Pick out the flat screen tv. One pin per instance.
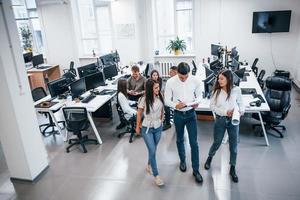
(271, 21)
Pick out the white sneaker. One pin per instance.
(158, 181)
(149, 169)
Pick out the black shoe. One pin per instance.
(207, 163)
(121, 125)
(166, 126)
(233, 175)
(198, 177)
(182, 166)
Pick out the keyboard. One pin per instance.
(248, 91)
(88, 98)
(107, 92)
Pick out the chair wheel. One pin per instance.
(283, 128)
(67, 151)
(69, 142)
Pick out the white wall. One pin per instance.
(58, 30)
(230, 23)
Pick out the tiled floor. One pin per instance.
(116, 169)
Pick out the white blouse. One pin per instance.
(221, 104)
(153, 119)
(125, 105)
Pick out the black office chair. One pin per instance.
(70, 74)
(254, 68)
(146, 71)
(77, 121)
(260, 78)
(278, 96)
(37, 94)
(130, 124)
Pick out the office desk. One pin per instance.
(250, 83)
(91, 107)
(40, 77)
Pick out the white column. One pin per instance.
(20, 137)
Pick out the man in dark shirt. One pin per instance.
(135, 84)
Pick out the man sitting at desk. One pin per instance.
(135, 84)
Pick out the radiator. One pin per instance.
(163, 68)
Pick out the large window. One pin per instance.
(172, 18)
(95, 27)
(28, 25)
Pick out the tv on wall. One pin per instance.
(271, 21)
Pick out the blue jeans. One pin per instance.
(151, 140)
(221, 124)
(189, 120)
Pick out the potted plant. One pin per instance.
(26, 38)
(177, 46)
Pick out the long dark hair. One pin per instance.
(149, 98)
(217, 88)
(122, 86)
(159, 79)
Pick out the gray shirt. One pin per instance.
(136, 85)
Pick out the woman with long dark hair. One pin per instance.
(124, 102)
(152, 106)
(226, 100)
(155, 76)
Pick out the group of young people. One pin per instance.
(182, 93)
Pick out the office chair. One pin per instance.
(146, 73)
(278, 96)
(254, 68)
(130, 124)
(70, 74)
(260, 78)
(77, 121)
(37, 94)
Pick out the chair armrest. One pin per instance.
(65, 70)
(285, 111)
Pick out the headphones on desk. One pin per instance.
(256, 103)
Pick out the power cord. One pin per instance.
(271, 48)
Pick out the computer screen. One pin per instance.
(116, 56)
(271, 21)
(37, 60)
(215, 50)
(27, 57)
(235, 63)
(94, 80)
(110, 71)
(208, 72)
(78, 87)
(240, 73)
(107, 59)
(57, 87)
(87, 70)
(234, 52)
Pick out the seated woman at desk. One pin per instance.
(128, 111)
(225, 102)
(135, 84)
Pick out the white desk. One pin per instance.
(250, 83)
(91, 107)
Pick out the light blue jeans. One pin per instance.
(221, 124)
(151, 140)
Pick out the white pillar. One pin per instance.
(20, 137)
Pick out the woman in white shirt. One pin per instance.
(128, 111)
(226, 100)
(152, 106)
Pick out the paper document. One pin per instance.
(235, 116)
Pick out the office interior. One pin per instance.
(36, 167)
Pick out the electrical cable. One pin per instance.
(271, 49)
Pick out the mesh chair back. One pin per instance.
(120, 111)
(38, 93)
(76, 118)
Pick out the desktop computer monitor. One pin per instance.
(216, 50)
(116, 56)
(235, 63)
(37, 60)
(107, 59)
(240, 73)
(94, 80)
(57, 87)
(234, 52)
(27, 57)
(209, 72)
(110, 71)
(87, 70)
(78, 87)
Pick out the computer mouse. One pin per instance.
(45, 104)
